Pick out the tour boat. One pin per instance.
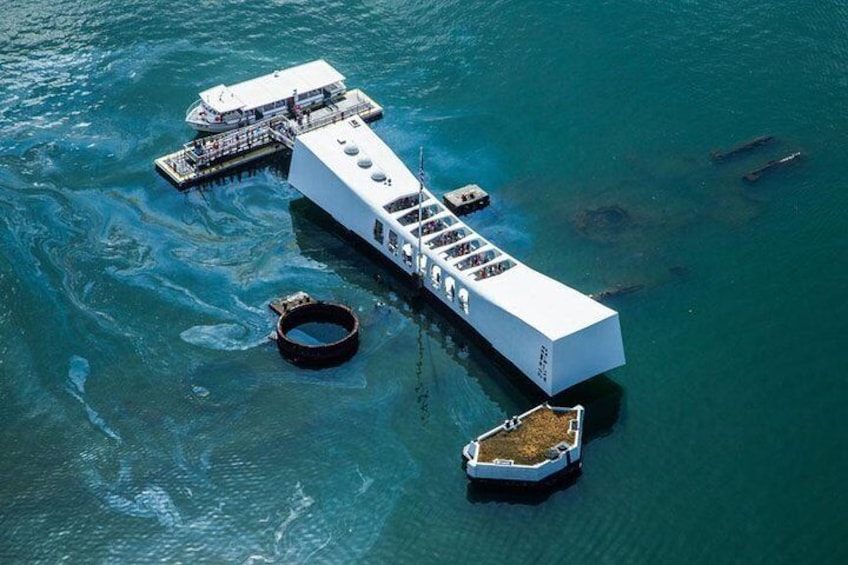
(288, 91)
(538, 447)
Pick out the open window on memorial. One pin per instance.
(411, 217)
(493, 269)
(478, 259)
(463, 300)
(433, 226)
(447, 238)
(463, 248)
(450, 288)
(378, 231)
(406, 254)
(404, 202)
(436, 276)
(393, 242)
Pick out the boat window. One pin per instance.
(403, 203)
(378, 231)
(493, 270)
(463, 300)
(447, 238)
(450, 288)
(434, 226)
(305, 95)
(393, 242)
(334, 88)
(478, 259)
(436, 276)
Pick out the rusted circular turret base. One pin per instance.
(302, 309)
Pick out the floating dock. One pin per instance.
(207, 157)
(736, 150)
(755, 175)
(465, 200)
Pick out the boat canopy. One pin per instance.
(221, 99)
(271, 88)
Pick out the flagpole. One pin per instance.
(420, 216)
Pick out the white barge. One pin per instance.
(539, 447)
(287, 92)
(553, 334)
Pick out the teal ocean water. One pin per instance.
(145, 417)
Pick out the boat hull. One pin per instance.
(203, 126)
(565, 475)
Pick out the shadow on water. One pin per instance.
(479, 493)
(322, 239)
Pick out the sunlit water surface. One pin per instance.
(146, 416)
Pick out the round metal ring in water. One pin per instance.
(327, 354)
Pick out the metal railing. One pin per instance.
(207, 151)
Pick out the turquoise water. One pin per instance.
(317, 333)
(146, 417)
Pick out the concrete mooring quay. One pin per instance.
(210, 156)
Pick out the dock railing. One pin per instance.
(207, 151)
(217, 153)
(340, 113)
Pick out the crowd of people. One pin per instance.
(402, 204)
(446, 239)
(492, 270)
(461, 249)
(475, 260)
(207, 151)
(432, 226)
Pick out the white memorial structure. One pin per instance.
(553, 334)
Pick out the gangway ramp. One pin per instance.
(207, 157)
